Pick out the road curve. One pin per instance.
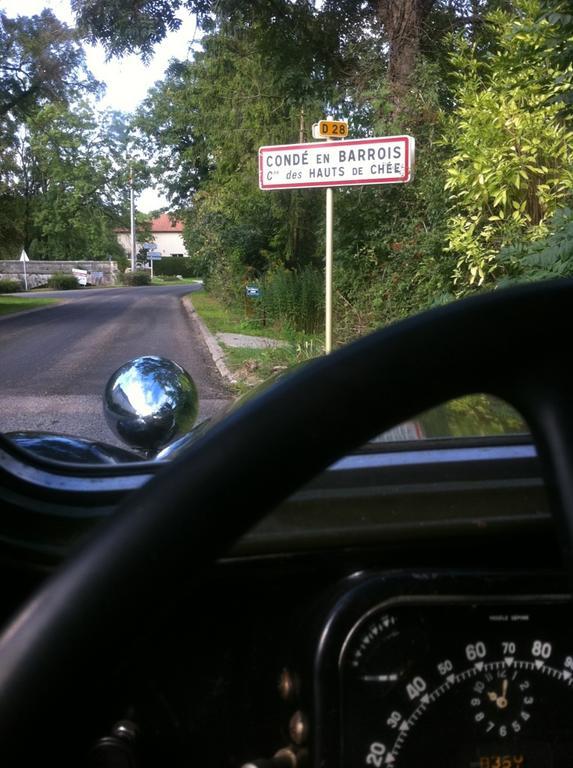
(55, 362)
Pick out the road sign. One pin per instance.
(384, 160)
(154, 255)
(148, 246)
(252, 291)
(81, 276)
(330, 129)
(24, 258)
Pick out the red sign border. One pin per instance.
(348, 182)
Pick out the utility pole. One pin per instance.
(132, 217)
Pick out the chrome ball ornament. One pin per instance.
(149, 402)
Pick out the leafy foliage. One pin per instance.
(61, 281)
(10, 286)
(62, 171)
(42, 61)
(137, 278)
(175, 265)
(512, 167)
(548, 257)
(291, 300)
(209, 118)
(131, 27)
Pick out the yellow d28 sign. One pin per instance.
(336, 129)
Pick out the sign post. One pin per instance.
(354, 162)
(24, 258)
(328, 269)
(151, 255)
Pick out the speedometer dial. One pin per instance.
(458, 686)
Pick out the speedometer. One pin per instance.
(458, 685)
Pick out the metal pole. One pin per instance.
(328, 292)
(132, 218)
(328, 270)
(25, 276)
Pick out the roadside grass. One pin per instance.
(11, 304)
(253, 366)
(222, 319)
(158, 280)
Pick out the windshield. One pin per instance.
(239, 188)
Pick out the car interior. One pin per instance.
(282, 593)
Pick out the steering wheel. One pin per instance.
(512, 344)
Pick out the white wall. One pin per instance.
(167, 243)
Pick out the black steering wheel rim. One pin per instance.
(508, 343)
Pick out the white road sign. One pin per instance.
(81, 276)
(24, 256)
(385, 160)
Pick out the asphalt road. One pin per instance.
(55, 362)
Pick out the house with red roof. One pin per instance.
(166, 233)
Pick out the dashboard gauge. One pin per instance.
(458, 685)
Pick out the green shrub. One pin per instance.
(511, 136)
(175, 265)
(293, 299)
(548, 257)
(10, 286)
(60, 281)
(137, 278)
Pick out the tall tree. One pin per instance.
(42, 61)
(80, 174)
(403, 22)
(250, 85)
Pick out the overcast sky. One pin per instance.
(127, 79)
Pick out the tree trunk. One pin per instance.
(403, 22)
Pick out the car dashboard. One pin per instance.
(407, 607)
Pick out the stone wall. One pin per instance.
(39, 272)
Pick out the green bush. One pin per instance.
(10, 286)
(511, 136)
(293, 299)
(137, 278)
(549, 257)
(174, 265)
(60, 281)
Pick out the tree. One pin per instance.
(135, 26)
(403, 23)
(42, 64)
(42, 61)
(68, 184)
(207, 120)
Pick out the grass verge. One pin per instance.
(222, 319)
(173, 281)
(11, 304)
(253, 366)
